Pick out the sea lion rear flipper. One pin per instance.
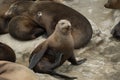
(36, 57)
(53, 73)
(75, 62)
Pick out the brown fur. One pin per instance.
(81, 28)
(52, 12)
(14, 71)
(59, 43)
(18, 8)
(6, 53)
(21, 26)
(24, 28)
(4, 6)
(113, 4)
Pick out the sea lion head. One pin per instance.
(18, 8)
(116, 31)
(64, 26)
(113, 4)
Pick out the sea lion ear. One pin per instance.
(39, 14)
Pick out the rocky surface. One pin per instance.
(103, 52)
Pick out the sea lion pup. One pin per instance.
(4, 6)
(116, 31)
(24, 28)
(7, 53)
(113, 4)
(53, 52)
(14, 71)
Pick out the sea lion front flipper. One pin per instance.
(36, 57)
(58, 58)
(38, 32)
(75, 62)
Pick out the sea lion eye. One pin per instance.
(39, 13)
(62, 23)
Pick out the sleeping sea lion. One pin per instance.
(113, 4)
(47, 14)
(53, 52)
(14, 71)
(7, 53)
(4, 6)
(24, 28)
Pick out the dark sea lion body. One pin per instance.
(4, 6)
(53, 52)
(113, 4)
(14, 71)
(49, 13)
(6, 53)
(24, 28)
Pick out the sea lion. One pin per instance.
(116, 31)
(4, 6)
(48, 13)
(24, 28)
(113, 4)
(49, 16)
(14, 71)
(7, 53)
(21, 26)
(53, 52)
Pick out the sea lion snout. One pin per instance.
(65, 24)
